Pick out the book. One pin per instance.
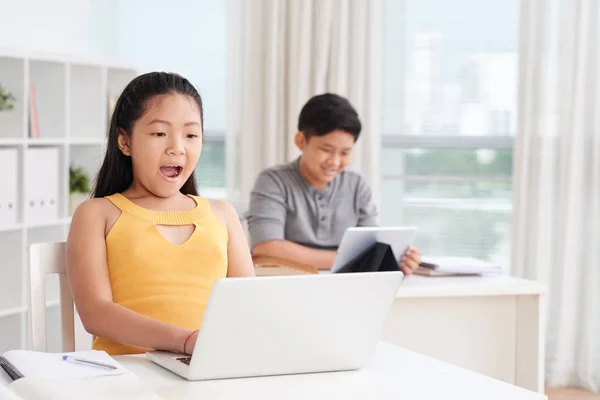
(34, 127)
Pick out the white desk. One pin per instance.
(492, 325)
(394, 373)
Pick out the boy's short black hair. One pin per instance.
(326, 113)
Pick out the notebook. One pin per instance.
(34, 364)
(46, 376)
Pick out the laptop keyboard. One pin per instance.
(185, 360)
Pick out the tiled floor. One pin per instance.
(571, 394)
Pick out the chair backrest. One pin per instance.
(49, 258)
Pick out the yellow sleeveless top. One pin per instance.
(157, 278)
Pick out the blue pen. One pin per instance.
(89, 362)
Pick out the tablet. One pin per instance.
(358, 239)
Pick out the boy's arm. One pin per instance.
(267, 210)
(266, 226)
(367, 210)
(87, 272)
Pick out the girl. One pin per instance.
(143, 254)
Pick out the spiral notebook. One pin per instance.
(10, 369)
(46, 376)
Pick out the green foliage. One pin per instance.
(78, 181)
(210, 171)
(6, 100)
(445, 162)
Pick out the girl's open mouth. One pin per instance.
(171, 171)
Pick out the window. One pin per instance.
(194, 47)
(450, 99)
(210, 172)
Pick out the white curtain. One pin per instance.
(557, 180)
(282, 52)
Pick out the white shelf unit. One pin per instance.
(72, 97)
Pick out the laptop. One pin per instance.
(281, 325)
(357, 240)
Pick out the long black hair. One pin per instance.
(116, 173)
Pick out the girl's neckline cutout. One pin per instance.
(176, 217)
(196, 205)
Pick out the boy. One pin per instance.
(300, 210)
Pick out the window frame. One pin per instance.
(448, 142)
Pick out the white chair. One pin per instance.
(49, 258)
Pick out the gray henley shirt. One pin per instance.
(284, 206)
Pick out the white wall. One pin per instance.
(183, 36)
(73, 27)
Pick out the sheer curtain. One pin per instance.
(282, 52)
(557, 180)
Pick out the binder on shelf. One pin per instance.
(42, 184)
(8, 186)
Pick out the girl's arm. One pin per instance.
(87, 272)
(238, 252)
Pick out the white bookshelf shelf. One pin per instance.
(58, 222)
(12, 311)
(18, 227)
(20, 310)
(45, 141)
(54, 142)
(14, 78)
(11, 228)
(71, 104)
(49, 80)
(85, 141)
(10, 142)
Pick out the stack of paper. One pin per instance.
(447, 266)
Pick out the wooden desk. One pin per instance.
(492, 325)
(394, 373)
